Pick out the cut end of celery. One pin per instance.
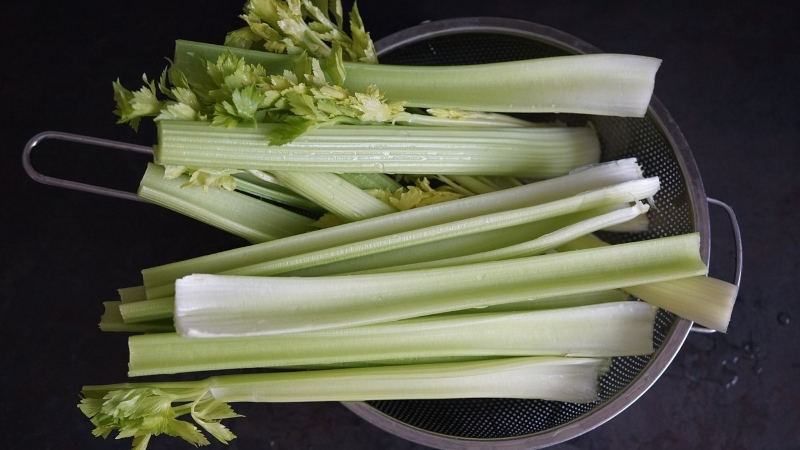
(704, 300)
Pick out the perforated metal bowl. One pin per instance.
(682, 207)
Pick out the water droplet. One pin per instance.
(732, 382)
(784, 319)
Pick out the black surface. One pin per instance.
(729, 78)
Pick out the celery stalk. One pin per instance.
(372, 181)
(225, 305)
(452, 247)
(112, 321)
(702, 299)
(236, 213)
(604, 330)
(335, 194)
(621, 193)
(534, 246)
(152, 309)
(141, 410)
(602, 84)
(262, 185)
(519, 151)
(159, 280)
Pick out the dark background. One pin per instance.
(729, 78)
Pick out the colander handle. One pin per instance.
(737, 238)
(69, 184)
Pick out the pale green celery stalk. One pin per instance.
(236, 213)
(112, 321)
(473, 184)
(455, 186)
(602, 84)
(335, 194)
(224, 305)
(533, 377)
(534, 246)
(447, 248)
(621, 193)
(705, 300)
(518, 151)
(132, 294)
(506, 182)
(159, 281)
(161, 309)
(603, 330)
(563, 301)
(262, 185)
(372, 181)
(141, 410)
(152, 309)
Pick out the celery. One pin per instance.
(705, 300)
(159, 280)
(561, 301)
(113, 321)
(152, 309)
(368, 181)
(612, 195)
(601, 84)
(534, 246)
(529, 152)
(604, 330)
(226, 305)
(142, 410)
(702, 299)
(132, 294)
(236, 213)
(262, 185)
(335, 194)
(451, 247)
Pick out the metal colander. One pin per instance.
(681, 208)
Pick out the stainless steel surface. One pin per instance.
(73, 184)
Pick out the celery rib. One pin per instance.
(225, 305)
(702, 299)
(236, 213)
(604, 330)
(602, 84)
(617, 194)
(335, 194)
(518, 151)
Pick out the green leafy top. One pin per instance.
(143, 412)
(298, 26)
(229, 92)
